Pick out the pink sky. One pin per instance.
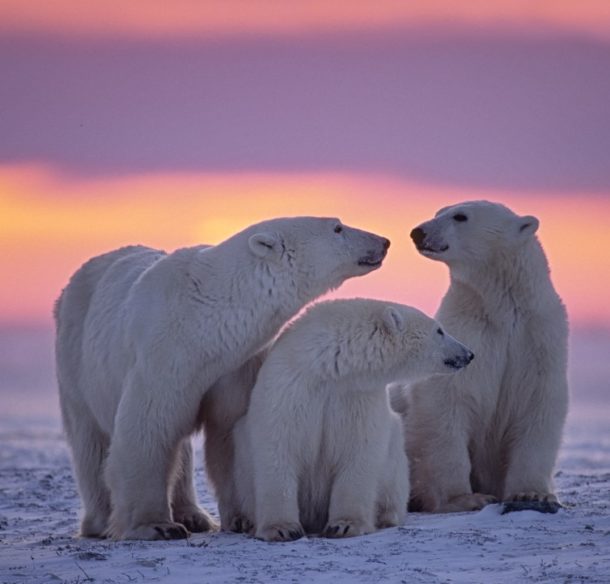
(235, 17)
(186, 121)
(51, 225)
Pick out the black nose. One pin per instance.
(386, 243)
(418, 235)
(469, 356)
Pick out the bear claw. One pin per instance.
(281, 532)
(344, 528)
(176, 531)
(240, 524)
(532, 501)
(195, 520)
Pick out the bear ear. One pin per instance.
(263, 244)
(393, 319)
(527, 225)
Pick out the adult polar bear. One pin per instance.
(493, 430)
(320, 449)
(143, 335)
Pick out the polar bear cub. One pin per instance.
(143, 336)
(491, 431)
(320, 449)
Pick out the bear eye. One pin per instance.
(338, 229)
(460, 217)
(440, 332)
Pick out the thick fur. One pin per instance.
(493, 430)
(143, 336)
(320, 449)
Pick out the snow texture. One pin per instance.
(39, 509)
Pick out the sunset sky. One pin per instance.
(175, 123)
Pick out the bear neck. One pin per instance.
(511, 281)
(353, 358)
(247, 300)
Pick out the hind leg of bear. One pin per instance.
(89, 447)
(185, 509)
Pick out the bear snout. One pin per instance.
(418, 235)
(374, 257)
(459, 361)
(426, 243)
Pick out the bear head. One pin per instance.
(364, 343)
(473, 232)
(317, 254)
(419, 345)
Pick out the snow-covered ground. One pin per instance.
(39, 509)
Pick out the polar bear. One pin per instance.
(143, 335)
(492, 431)
(319, 449)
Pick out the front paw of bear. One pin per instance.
(156, 531)
(470, 502)
(288, 531)
(532, 501)
(241, 524)
(195, 520)
(345, 528)
(388, 519)
(94, 526)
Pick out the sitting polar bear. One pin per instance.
(320, 449)
(491, 431)
(142, 336)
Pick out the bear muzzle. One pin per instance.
(375, 257)
(460, 361)
(419, 237)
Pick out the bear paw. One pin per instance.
(533, 496)
(468, 502)
(241, 524)
(287, 531)
(388, 519)
(94, 526)
(532, 501)
(195, 520)
(155, 531)
(345, 528)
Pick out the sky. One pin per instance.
(171, 124)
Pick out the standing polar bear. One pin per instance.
(492, 431)
(320, 449)
(142, 336)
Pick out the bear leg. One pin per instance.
(143, 457)
(185, 509)
(89, 447)
(533, 452)
(353, 498)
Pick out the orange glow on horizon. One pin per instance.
(50, 225)
(221, 17)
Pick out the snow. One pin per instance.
(39, 510)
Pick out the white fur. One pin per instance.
(143, 335)
(221, 408)
(320, 449)
(493, 430)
